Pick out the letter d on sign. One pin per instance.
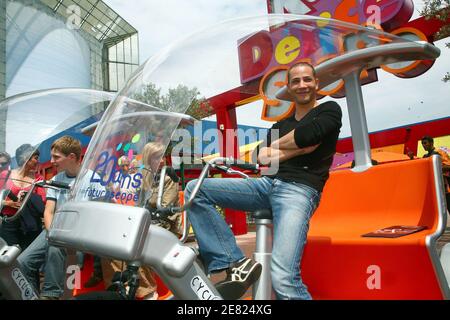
(255, 55)
(374, 280)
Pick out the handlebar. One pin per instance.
(228, 163)
(42, 184)
(221, 163)
(55, 184)
(247, 166)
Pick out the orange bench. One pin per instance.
(340, 264)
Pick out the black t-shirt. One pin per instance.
(320, 125)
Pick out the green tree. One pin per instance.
(439, 9)
(180, 99)
(150, 95)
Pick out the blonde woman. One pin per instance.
(153, 160)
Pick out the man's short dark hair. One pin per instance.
(300, 63)
(427, 138)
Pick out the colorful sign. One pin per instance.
(267, 49)
(268, 54)
(117, 186)
(389, 14)
(409, 69)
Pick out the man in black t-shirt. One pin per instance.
(303, 154)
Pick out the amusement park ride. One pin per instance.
(265, 57)
(338, 262)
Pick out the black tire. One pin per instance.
(99, 295)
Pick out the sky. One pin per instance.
(390, 102)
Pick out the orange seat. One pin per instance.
(340, 264)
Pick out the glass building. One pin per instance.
(63, 43)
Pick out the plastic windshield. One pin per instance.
(31, 121)
(219, 67)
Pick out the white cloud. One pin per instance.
(161, 22)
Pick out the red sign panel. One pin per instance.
(389, 14)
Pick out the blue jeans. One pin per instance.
(54, 260)
(292, 204)
(11, 232)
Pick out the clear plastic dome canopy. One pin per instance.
(209, 69)
(31, 121)
(199, 73)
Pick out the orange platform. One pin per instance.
(339, 264)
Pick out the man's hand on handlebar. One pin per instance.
(226, 165)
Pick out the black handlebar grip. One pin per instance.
(57, 184)
(221, 168)
(165, 212)
(246, 166)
